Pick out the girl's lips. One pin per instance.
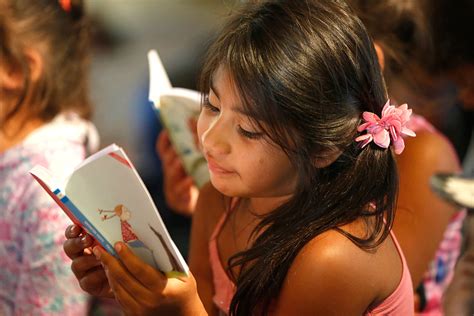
(215, 168)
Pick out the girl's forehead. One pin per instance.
(224, 88)
(223, 80)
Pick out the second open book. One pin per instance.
(106, 196)
(175, 108)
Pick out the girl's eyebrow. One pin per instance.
(236, 109)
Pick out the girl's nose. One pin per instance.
(215, 140)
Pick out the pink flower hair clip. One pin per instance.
(386, 130)
(65, 5)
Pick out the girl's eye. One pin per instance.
(250, 135)
(209, 107)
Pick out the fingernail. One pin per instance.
(118, 247)
(85, 240)
(96, 252)
(74, 229)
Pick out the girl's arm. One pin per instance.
(209, 208)
(422, 217)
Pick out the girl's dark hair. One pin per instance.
(305, 71)
(62, 38)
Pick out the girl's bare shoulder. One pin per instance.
(332, 275)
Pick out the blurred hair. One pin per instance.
(451, 23)
(305, 71)
(426, 33)
(401, 28)
(62, 39)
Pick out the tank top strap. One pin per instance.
(230, 206)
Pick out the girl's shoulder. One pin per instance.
(332, 275)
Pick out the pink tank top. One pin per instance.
(399, 303)
(224, 288)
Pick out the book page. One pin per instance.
(110, 193)
(177, 108)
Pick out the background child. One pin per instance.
(428, 228)
(297, 219)
(44, 107)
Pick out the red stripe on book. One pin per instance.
(120, 159)
(58, 201)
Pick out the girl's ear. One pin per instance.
(35, 63)
(380, 55)
(12, 76)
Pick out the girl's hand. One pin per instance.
(180, 192)
(142, 290)
(87, 269)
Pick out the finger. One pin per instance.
(121, 280)
(163, 142)
(83, 265)
(192, 124)
(74, 247)
(73, 231)
(168, 157)
(126, 300)
(96, 283)
(176, 186)
(175, 171)
(184, 187)
(144, 273)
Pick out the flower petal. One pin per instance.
(364, 126)
(370, 117)
(365, 139)
(399, 145)
(386, 108)
(382, 138)
(408, 132)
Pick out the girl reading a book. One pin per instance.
(44, 107)
(300, 140)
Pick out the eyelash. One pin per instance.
(250, 135)
(208, 106)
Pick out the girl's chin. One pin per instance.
(225, 187)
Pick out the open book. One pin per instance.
(106, 196)
(176, 107)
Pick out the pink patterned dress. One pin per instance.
(441, 269)
(35, 274)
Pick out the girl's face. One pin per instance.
(242, 161)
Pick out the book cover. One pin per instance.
(106, 196)
(175, 107)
